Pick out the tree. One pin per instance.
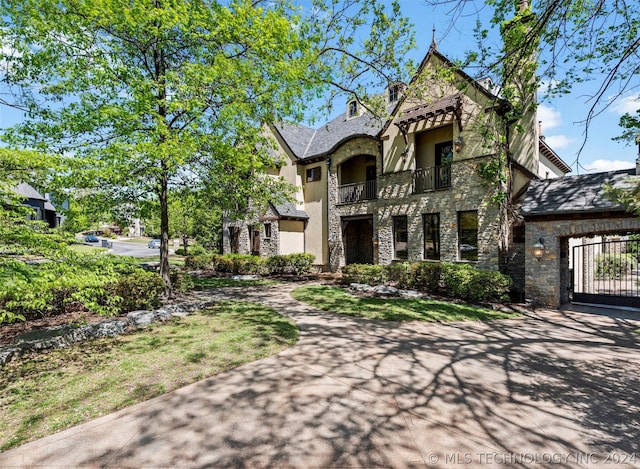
(143, 96)
(577, 41)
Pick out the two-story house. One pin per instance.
(408, 188)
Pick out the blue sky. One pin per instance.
(561, 118)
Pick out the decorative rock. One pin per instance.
(245, 277)
(361, 287)
(140, 318)
(385, 290)
(110, 328)
(9, 353)
(409, 294)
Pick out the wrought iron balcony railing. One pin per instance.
(435, 177)
(356, 192)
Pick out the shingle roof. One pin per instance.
(288, 211)
(305, 142)
(574, 194)
(28, 192)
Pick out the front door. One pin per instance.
(357, 235)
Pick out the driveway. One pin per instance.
(551, 389)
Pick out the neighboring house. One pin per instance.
(42, 207)
(408, 188)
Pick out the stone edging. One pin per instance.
(64, 336)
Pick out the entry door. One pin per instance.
(357, 235)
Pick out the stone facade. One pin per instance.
(547, 280)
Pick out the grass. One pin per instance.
(221, 282)
(48, 392)
(336, 300)
(86, 249)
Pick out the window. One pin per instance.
(267, 230)
(314, 174)
(393, 93)
(353, 108)
(468, 236)
(431, 230)
(400, 238)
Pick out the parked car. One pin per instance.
(154, 243)
(91, 239)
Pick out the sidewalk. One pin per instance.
(556, 388)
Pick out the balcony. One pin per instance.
(357, 192)
(429, 179)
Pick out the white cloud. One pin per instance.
(558, 142)
(549, 117)
(597, 166)
(630, 104)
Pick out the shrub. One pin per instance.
(103, 284)
(249, 265)
(486, 286)
(614, 266)
(181, 282)
(199, 262)
(222, 263)
(363, 273)
(397, 272)
(277, 264)
(299, 263)
(425, 276)
(467, 283)
(139, 290)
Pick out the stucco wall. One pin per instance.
(291, 236)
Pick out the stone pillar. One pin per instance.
(542, 279)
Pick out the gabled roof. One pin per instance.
(434, 52)
(574, 194)
(28, 192)
(305, 142)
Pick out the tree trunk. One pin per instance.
(164, 233)
(185, 244)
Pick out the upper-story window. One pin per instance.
(352, 108)
(394, 92)
(314, 174)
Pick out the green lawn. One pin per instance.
(85, 249)
(47, 392)
(337, 300)
(221, 282)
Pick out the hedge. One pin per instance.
(296, 264)
(461, 281)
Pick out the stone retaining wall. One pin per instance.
(64, 336)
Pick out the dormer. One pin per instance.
(353, 109)
(394, 92)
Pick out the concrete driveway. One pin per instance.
(552, 389)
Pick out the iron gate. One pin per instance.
(606, 273)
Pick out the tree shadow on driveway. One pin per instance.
(546, 389)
